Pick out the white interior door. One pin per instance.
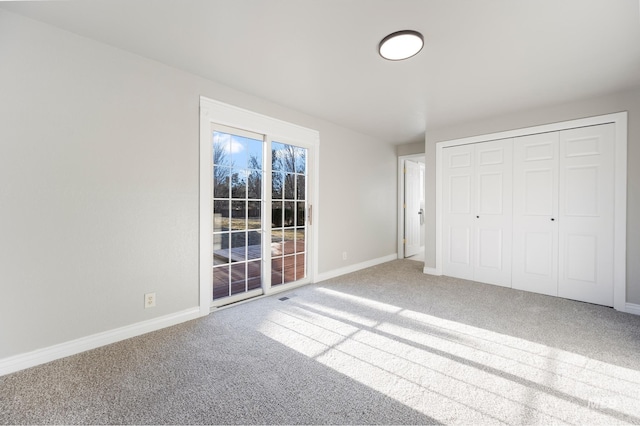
(535, 213)
(493, 198)
(458, 246)
(412, 209)
(586, 225)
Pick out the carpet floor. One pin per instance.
(385, 345)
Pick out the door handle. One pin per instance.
(421, 213)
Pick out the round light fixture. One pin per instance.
(401, 45)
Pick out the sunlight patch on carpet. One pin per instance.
(437, 366)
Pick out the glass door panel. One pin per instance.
(288, 213)
(237, 214)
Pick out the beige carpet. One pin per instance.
(386, 345)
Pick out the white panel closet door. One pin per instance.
(493, 199)
(535, 213)
(458, 220)
(586, 224)
(477, 186)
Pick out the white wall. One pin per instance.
(99, 186)
(410, 148)
(358, 208)
(625, 101)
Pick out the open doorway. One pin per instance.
(411, 207)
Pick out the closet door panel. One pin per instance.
(586, 226)
(493, 177)
(458, 194)
(535, 213)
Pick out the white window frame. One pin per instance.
(215, 112)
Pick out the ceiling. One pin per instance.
(481, 57)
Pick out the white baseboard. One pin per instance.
(632, 308)
(353, 268)
(431, 271)
(62, 350)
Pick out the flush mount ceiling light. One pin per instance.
(401, 45)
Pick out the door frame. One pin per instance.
(620, 205)
(212, 111)
(400, 232)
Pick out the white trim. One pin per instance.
(314, 182)
(620, 214)
(401, 160)
(545, 128)
(62, 350)
(215, 112)
(235, 298)
(356, 267)
(431, 271)
(230, 115)
(438, 206)
(632, 308)
(620, 232)
(205, 229)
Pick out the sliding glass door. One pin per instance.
(288, 213)
(260, 214)
(237, 213)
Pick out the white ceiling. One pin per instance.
(481, 57)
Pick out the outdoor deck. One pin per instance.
(286, 266)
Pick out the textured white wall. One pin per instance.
(625, 101)
(99, 186)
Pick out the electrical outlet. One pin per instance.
(149, 300)
(344, 255)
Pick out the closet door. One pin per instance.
(457, 216)
(493, 212)
(535, 213)
(586, 225)
(477, 211)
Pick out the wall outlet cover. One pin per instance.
(149, 300)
